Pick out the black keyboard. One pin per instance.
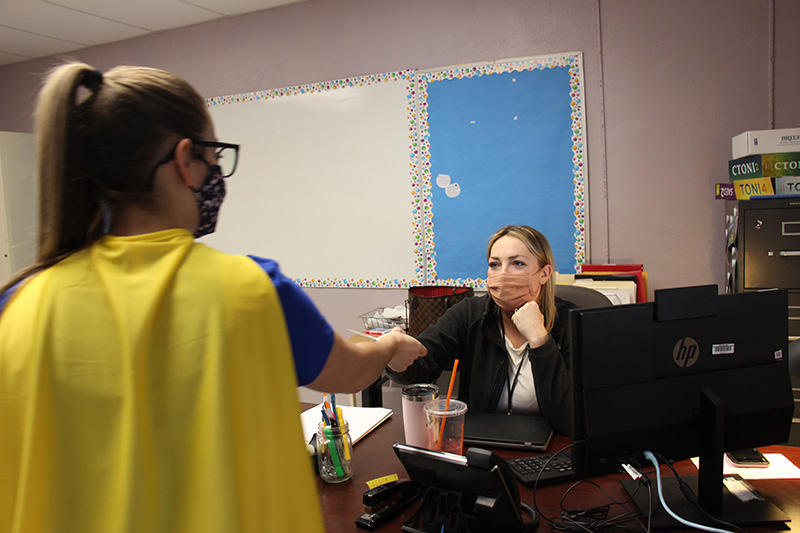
(558, 469)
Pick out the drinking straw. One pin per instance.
(447, 403)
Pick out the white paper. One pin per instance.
(779, 468)
(619, 292)
(361, 420)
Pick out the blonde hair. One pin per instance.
(101, 150)
(539, 246)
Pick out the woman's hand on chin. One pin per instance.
(529, 321)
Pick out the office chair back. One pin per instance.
(794, 357)
(582, 296)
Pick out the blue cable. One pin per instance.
(648, 455)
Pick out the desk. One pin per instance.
(374, 457)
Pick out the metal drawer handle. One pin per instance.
(789, 253)
(790, 229)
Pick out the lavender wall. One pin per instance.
(668, 83)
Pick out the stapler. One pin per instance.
(385, 501)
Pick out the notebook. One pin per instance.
(361, 420)
(496, 430)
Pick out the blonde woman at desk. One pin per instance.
(512, 344)
(148, 382)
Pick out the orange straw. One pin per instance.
(447, 403)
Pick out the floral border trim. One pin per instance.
(358, 81)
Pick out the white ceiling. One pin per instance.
(31, 29)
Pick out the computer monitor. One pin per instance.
(693, 373)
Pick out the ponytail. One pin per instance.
(68, 201)
(67, 204)
(99, 140)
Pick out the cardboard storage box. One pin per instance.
(765, 142)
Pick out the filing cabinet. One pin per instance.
(762, 252)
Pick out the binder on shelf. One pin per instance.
(637, 271)
(724, 191)
(750, 188)
(787, 186)
(619, 288)
(764, 166)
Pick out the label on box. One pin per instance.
(788, 185)
(764, 166)
(765, 142)
(746, 189)
(724, 191)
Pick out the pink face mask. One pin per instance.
(511, 291)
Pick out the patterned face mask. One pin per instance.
(511, 291)
(209, 199)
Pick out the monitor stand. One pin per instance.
(749, 513)
(708, 485)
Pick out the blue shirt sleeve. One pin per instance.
(310, 334)
(6, 296)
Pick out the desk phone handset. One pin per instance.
(476, 492)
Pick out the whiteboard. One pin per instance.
(325, 181)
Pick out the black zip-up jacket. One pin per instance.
(469, 331)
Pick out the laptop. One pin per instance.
(497, 430)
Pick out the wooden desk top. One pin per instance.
(373, 457)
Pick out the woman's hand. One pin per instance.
(529, 321)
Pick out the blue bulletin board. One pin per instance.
(501, 143)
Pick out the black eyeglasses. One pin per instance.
(226, 155)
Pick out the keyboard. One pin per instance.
(558, 469)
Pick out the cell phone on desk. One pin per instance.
(748, 458)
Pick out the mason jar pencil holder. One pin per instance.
(334, 452)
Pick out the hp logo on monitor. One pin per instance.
(686, 352)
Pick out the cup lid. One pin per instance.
(419, 392)
(437, 407)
